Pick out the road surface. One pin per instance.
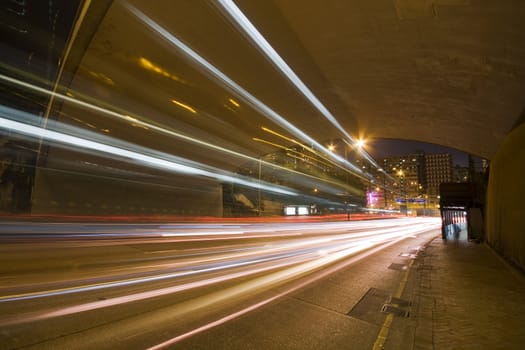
(204, 286)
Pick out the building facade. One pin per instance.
(409, 175)
(438, 170)
(417, 177)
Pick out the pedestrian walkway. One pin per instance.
(466, 297)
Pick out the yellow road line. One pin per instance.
(383, 333)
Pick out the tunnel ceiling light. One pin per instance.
(233, 102)
(184, 106)
(148, 65)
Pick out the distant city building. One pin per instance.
(417, 177)
(414, 179)
(438, 170)
(409, 173)
(460, 174)
(405, 182)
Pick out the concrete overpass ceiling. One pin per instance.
(449, 72)
(445, 72)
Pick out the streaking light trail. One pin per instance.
(142, 158)
(122, 116)
(249, 30)
(136, 120)
(307, 248)
(275, 259)
(239, 91)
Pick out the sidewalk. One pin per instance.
(466, 297)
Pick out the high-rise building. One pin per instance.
(438, 170)
(419, 175)
(409, 172)
(411, 179)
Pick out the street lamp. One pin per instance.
(401, 174)
(384, 187)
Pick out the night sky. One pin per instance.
(388, 147)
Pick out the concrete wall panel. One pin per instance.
(61, 193)
(505, 219)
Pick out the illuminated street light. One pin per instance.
(401, 174)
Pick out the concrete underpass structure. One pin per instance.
(445, 72)
(504, 222)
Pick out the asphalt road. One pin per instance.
(209, 286)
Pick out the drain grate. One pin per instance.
(397, 307)
(375, 303)
(395, 310)
(398, 302)
(367, 308)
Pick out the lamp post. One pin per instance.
(401, 175)
(384, 187)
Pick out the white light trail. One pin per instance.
(239, 91)
(283, 261)
(156, 162)
(229, 259)
(258, 39)
(129, 282)
(292, 288)
(133, 297)
(125, 116)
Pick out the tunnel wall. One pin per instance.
(505, 205)
(60, 193)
